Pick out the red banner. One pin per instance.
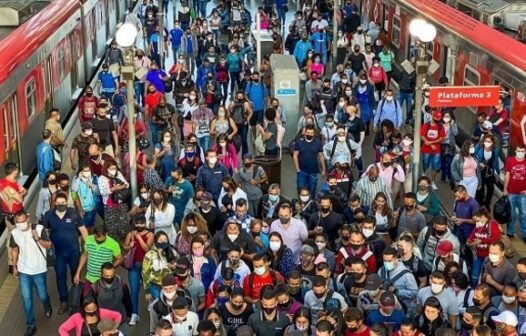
(458, 96)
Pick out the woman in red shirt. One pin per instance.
(486, 231)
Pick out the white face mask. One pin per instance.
(221, 113)
(89, 132)
(341, 138)
(446, 119)
(321, 246)
(367, 232)
(345, 81)
(435, 288)
(519, 155)
(232, 237)
(169, 296)
(479, 224)
(407, 142)
(145, 195)
(212, 161)
(260, 270)
(274, 245)
(363, 81)
(86, 175)
(389, 98)
(302, 327)
(217, 324)
(494, 258)
(22, 226)
(341, 104)
(304, 199)
(471, 150)
(191, 229)
(329, 124)
(488, 144)
(112, 172)
(508, 299)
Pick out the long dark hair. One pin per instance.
(86, 302)
(278, 253)
(167, 253)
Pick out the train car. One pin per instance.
(46, 61)
(468, 52)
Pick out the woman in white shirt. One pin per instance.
(160, 216)
(189, 105)
(229, 195)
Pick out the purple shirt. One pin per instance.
(293, 235)
(155, 78)
(465, 210)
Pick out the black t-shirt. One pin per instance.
(330, 224)
(213, 219)
(354, 128)
(416, 267)
(104, 128)
(356, 62)
(222, 244)
(352, 287)
(231, 321)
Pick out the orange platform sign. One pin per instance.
(458, 96)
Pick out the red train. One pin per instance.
(468, 51)
(45, 62)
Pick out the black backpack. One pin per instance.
(75, 298)
(239, 113)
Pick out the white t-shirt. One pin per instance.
(186, 328)
(31, 261)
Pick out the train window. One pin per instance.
(396, 31)
(31, 97)
(471, 76)
(61, 61)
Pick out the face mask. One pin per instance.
(341, 138)
(302, 327)
(345, 81)
(387, 312)
(376, 65)
(435, 288)
(471, 150)
(232, 237)
(212, 161)
(192, 97)
(521, 303)
(348, 93)
(522, 275)
(222, 144)
(321, 246)
(520, 155)
(479, 224)
(363, 81)
(309, 137)
(440, 233)
(494, 258)
(108, 280)
(476, 302)
(389, 98)
(407, 142)
(61, 207)
(260, 270)
(508, 299)
(273, 198)
(112, 172)
(304, 199)
(145, 195)
(191, 229)
(386, 164)
(236, 306)
(422, 188)
(162, 245)
(284, 220)
(93, 313)
(274, 246)
(465, 326)
(140, 228)
(269, 311)
(373, 178)
(329, 124)
(325, 210)
(22, 226)
(367, 232)
(389, 266)
(157, 201)
(169, 296)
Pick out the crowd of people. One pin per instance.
(213, 244)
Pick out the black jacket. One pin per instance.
(406, 82)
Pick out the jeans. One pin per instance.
(243, 132)
(26, 282)
(135, 279)
(307, 180)
(281, 15)
(89, 218)
(476, 268)
(190, 62)
(202, 7)
(235, 82)
(153, 130)
(204, 143)
(408, 99)
(65, 259)
(224, 87)
(485, 193)
(139, 92)
(517, 202)
(175, 51)
(155, 291)
(445, 166)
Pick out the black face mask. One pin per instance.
(140, 228)
(309, 137)
(477, 302)
(356, 247)
(52, 182)
(285, 306)
(293, 290)
(440, 233)
(107, 280)
(325, 210)
(235, 306)
(387, 164)
(93, 313)
(409, 207)
(269, 310)
(466, 326)
(157, 201)
(61, 207)
(522, 304)
(522, 275)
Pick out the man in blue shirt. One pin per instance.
(320, 42)
(308, 158)
(107, 82)
(176, 35)
(386, 313)
(64, 224)
(189, 49)
(45, 156)
(211, 174)
(388, 108)
(181, 190)
(257, 93)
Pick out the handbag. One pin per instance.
(128, 258)
(49, 255)
(168, 86)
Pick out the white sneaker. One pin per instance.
(134, 319)
(434, 186)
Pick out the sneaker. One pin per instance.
(49, 312)
(134, 319)
(434, 186)
(30, 331)
(63, 308)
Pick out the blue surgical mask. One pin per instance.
(389, 265)
(222, 300)
(189, 154)
(273, 198)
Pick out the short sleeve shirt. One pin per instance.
(517, 171)
(431, 133)
(64, 231)
(104, 129)
(99, 254)
(308, 155)
(253, 191)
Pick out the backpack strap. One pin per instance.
(399, 275)
(367, 255)
(428, 234)
(466, 297)
(344, 253)
(328, 297)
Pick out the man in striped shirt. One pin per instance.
(99, 248)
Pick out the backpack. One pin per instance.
(262, 186)
(383, 275)
(275, 280)
(461, 264)
(466, 297)
(239, 113)
(330, 302)
(75, 298)
(335, 143)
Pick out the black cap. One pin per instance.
(168, 280)
(373, 282)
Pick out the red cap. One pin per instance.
(444, 248)
(437, 115)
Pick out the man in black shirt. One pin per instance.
(232, 235)
(354, 279)
(357, 60)
(325, 220)
(211, 214)
(190, 163)
(105, 132)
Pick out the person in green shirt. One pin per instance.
(99, 248)
(387, 59)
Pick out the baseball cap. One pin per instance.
(207, 196)
(444, 248)
(107, 325)
(506, 317)
(372, 282)
(307, 249)
(437, 115)
(387, 300)
(182, 266)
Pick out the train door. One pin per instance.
(75, 48)
(12, 132)
(449, 59)
(48, 84)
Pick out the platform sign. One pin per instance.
(459, 96)
(286, 92)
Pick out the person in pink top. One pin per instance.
(465, 168)
(85, 322)
(264, 21)
(378, 76)
(226, 153)
(317, 65)
(388, 170)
